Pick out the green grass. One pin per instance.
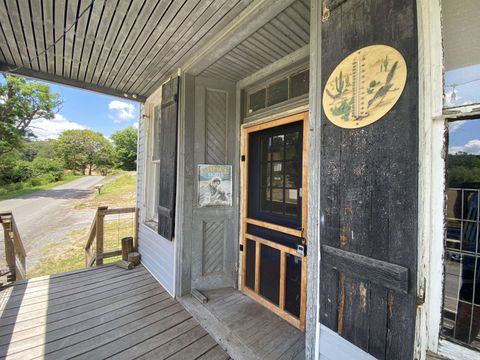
(30, 189)
(119, 192)
(67, 257)
(70, 254)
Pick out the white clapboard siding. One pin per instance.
(157, 253)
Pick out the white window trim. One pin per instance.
(432, 152)
(151, 172)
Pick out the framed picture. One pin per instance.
(214, 185)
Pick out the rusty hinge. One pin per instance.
(421, 297)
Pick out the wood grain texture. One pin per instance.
(368, 192)
(121, 317)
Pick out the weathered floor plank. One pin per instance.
(245, 328)
(99, 313)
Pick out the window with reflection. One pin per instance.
(461, 310)
(461, 43)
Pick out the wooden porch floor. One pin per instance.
(99, 313)
(245, 328)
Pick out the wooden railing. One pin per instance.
(95, 255)
(15, 254)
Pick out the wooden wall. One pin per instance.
(369, 190)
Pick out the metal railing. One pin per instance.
(461, 311)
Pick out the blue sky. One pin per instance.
(462, 87)
(89, 110)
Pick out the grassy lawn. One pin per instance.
(119, 192)
(30, 189)
(70, 254)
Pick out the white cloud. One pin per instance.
(455, 125)
(135, 125)
(122, 111)
(471, 147)
(51, 129)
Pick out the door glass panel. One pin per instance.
(291, 146)
(277, 153)
(277, 201)
(277, 148)
(277, 93)
(277, 178)
(257, 101)
(291, 175)
(299, 84)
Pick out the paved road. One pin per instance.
(46, 216)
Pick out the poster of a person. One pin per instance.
(214, 185)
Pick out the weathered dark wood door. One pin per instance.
(369, 189)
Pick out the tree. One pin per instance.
(21, 102)
(125, 152)
(82, 149)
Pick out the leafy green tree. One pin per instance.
(125, 151)
(21, 102)
(84, 149)
(31, 150)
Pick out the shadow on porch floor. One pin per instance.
(246, 329)
(98, 313)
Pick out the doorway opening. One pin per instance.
(274, 201)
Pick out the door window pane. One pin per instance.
(257, 101)
(277, 93)
(299, 84)
(461, 51)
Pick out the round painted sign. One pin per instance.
(364, 86)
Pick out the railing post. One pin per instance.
(9, 251)
(135, 230)
(99, 233)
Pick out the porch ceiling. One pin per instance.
(112, 46)
(284, 34)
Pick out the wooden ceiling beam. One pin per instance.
(70, 82)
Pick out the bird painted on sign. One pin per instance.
(383, 91)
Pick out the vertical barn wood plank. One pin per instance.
(329, 184)
(374, 210)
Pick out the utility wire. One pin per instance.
(463, 83)
(61, 37)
